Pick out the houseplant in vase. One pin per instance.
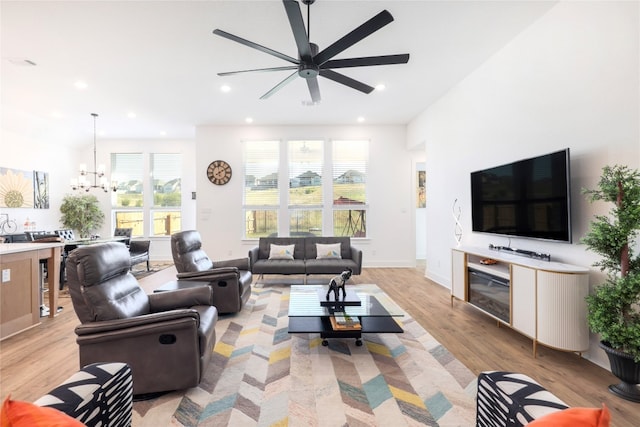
(81, 213)
(613, 310)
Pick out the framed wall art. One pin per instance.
(16, 188)
(40, 190)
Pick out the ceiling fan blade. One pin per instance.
(314, 89)
(369, 27)
(297, 26)
(280, 85)
(255, 46)
(367, 61)
(347, 81)
(259, 70)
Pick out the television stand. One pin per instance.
(521, 252)
(542, 300)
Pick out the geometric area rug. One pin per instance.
(260, 375)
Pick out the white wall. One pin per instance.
(390, 224)
(42, 154)
(569, 80)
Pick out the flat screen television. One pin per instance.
(529, 198)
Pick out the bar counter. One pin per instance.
(20, 284)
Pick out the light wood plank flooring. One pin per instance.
(35, 360)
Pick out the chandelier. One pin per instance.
(82, 183)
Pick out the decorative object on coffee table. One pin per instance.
(338, 283)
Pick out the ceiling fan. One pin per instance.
(311, 62)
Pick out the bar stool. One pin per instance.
(35, 236)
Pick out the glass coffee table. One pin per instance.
(371, 310)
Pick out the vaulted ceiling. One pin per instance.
(158, 60)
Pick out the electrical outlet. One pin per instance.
(6, 275)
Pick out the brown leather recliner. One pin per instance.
(230, 279)
(166, 338)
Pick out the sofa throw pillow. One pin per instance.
(575, 417)
(16, 413)
(281, 251)
(328, 251)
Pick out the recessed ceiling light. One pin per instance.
(248, 120)
(163, 133)
(131, 115)
(380, 87)
(81, 85)
(360, 119)
(101, 133)
(225, 88)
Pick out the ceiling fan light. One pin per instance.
(311, 62)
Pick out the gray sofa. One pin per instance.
(304, 257)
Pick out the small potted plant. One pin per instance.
(614, 307)
(81, 213)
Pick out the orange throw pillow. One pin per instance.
(575, 417)
(24, 414)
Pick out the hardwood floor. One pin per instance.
(34, 361)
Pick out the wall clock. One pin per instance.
(219, 172)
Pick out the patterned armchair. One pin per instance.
(507, 399)
(100, 394)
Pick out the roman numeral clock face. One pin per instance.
(219, 172)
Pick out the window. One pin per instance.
(127, 169)
(167, 193)
(315, 170)
(261, 198)
(305, 187)
(150, 206)
(350, 159)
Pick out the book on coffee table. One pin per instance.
(344, 322)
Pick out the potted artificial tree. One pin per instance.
(81, 213)
(614, 307)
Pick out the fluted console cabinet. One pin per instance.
(543, 300)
